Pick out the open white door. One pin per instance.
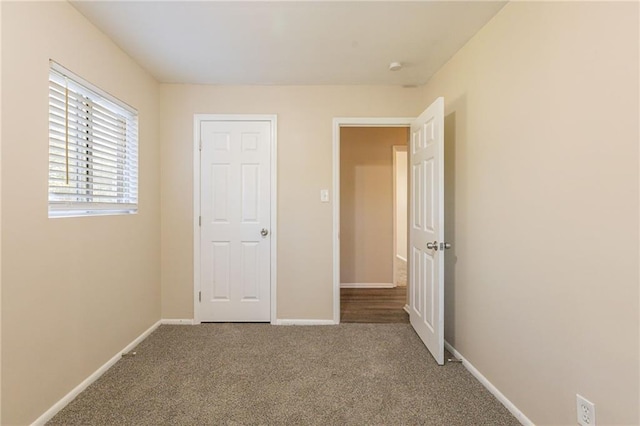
(426, 230)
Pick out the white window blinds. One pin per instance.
(93, 149)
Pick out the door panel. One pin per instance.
(250, 186)
(250, 268)
(429, 192)
(235, 206)
(418, 189)
(417, 270)
(220, 270)
(427, 218)
(220, 187)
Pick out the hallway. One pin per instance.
(373, 305)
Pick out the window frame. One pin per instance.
(99, 176)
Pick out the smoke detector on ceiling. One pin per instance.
(395, 66)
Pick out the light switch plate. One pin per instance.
(324, 195)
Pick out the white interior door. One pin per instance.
(426, 230)
(235, 193)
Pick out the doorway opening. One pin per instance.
(426, 221)
(373, 189)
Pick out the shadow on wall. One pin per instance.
(452, 133)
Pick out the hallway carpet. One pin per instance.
(249, 374)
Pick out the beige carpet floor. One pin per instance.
(258, 374)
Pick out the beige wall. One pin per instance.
(541, 149)
(542, 182)
(305, 114)
(366, 203)
(75, 290)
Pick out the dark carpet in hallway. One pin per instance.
(350, 374)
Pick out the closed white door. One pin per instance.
(235, 193)
(426, 230)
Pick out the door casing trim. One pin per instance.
(197, 120)
(339, 122)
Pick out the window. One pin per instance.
(93, 149)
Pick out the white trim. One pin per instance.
(197, 119)
(274, 213)
(406, 309)
(367, 285)
(374, 121)
(176, 321)
(349, 122)
(490, 387)
(304, 322)
(91, 87)
(48, 415)
(196, 218)
(394, 219)
(401, 258)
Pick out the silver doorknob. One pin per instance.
(264, 232)
(433, 245)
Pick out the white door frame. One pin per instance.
(197, 120)
(337, 124)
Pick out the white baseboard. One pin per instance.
(304, 322)
(406, 309)
(174, 321)
(490, 387)
(48, 415)
(367, 285)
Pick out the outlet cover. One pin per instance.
(586, 411)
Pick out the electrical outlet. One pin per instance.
(586, 411)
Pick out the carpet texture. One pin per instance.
(235, 374)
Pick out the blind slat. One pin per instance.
(112, 175)
(78, 178)
(83, 120)
(84, 193)
(61, 208)
(86, 197)
(88, 141)
(61, 158)
(57, 143)
(84, 105)
(86, 150)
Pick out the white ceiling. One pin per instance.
(305, 42)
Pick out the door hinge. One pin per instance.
(199, 220)
(199, 296)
